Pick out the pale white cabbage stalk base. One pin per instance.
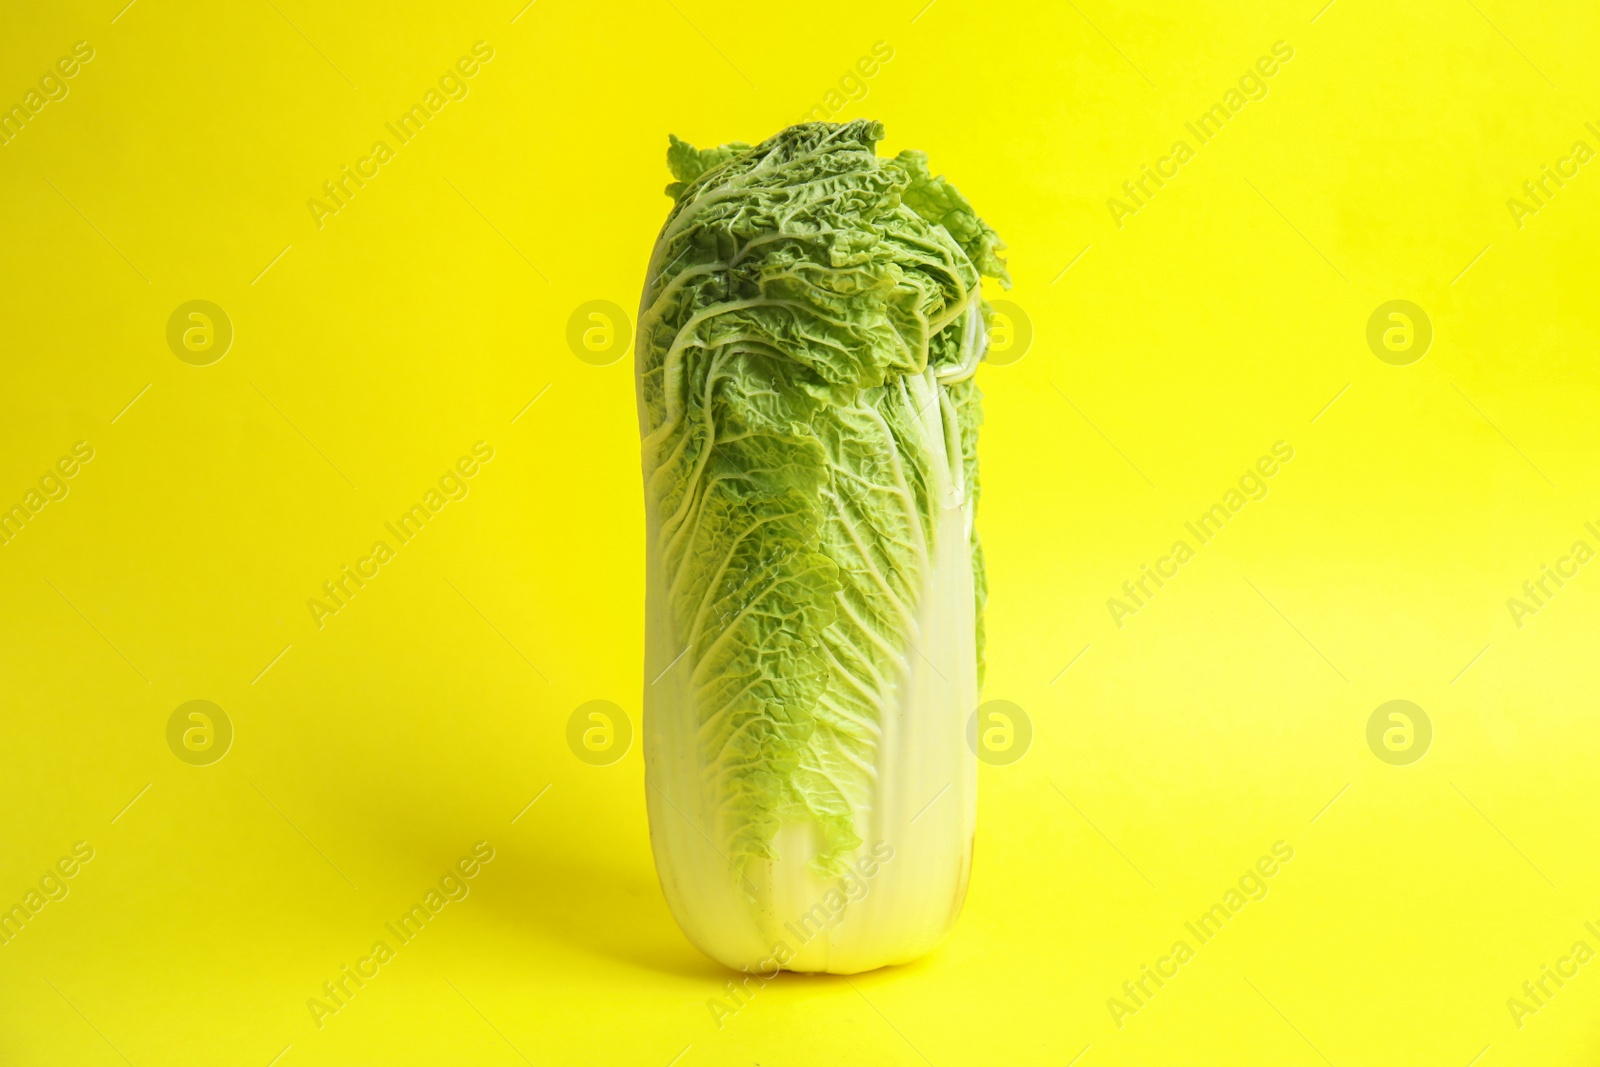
(924, 800)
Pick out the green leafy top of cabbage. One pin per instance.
(807, 330)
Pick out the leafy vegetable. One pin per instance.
(808, 335)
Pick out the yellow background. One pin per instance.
(424, 716)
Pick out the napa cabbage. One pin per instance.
(811, 322)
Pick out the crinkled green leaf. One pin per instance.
(938, 201)
(803, 298)
(688, 162)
